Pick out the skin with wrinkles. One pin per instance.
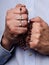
(15, 26)
(18, 31)
(38, 36)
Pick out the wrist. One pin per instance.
(6, 43)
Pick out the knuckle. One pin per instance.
(38, 18)
(10, 10)
(25, 22)
(20, 5)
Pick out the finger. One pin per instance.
(35, 36)
(17, 10)
(36, 31)
(36, 19)
(33, 43)
(19, 30)
(24, 23)
(17, 23)
(17, 16)
(40, 20)
(21, 23)
(36, 27)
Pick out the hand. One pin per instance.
(39, 36)
(16, 24)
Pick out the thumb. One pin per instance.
(36, 19)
